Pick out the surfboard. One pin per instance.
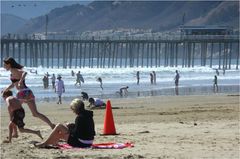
(81, 78)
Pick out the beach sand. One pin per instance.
(160, 127)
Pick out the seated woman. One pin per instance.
(96, 103)
(79, 134)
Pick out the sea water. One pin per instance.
(193, 81)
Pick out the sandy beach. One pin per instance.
(160, 127)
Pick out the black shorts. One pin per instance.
(74, 142)
(18, 116)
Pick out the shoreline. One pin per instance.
(182, 91)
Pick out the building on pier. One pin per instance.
(206, 30)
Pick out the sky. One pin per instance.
(31, 9)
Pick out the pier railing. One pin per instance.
(150, 51)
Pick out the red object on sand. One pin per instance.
(109, 145)
(109, 127)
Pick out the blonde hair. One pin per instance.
(77, 105)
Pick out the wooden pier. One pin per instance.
(186, 51)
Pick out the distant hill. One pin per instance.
(224, 14)
(155, 15)
(11, 23)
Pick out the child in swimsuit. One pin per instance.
(17, 115)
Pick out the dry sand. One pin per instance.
(159, 127)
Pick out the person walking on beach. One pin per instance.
(138, 77)
(99, 79)
(154, 77)
(59, 88)
(151, 78)
(176, 79)
(53, 81)
(78, 134)
(215, 85)
(24, 93)
(16, 114)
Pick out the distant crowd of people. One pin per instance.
(153, 78)
(58, 85)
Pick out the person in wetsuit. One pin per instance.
(25, 95)
(17, 114)
(138, 77)
(215, 84)
(99, 79)
(176, 78)
(78, 134)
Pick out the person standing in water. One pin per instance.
(215, 85)
(99, 79)
(25, 95)
(217, 72)
(44, 82)
(53, 81)
(151, 78)
(154, 77)
(47, 79)
(72, 72)
(79, 79)
(138, 77)
(176, 79)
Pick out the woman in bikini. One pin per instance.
(24, 93)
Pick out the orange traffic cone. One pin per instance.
(109, 127)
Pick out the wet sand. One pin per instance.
(160, 127)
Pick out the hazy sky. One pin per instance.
(31, 9)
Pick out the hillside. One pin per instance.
(155, 15)
(11, 23)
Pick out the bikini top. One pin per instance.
(16, 80)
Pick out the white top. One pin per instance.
(59, 86)
(53, 78)
(98, 102)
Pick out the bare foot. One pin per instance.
(39, 145)
(15, 136)
(6, 141)
(39, 134)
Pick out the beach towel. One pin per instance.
(110, 145)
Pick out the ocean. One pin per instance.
(193, 81)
